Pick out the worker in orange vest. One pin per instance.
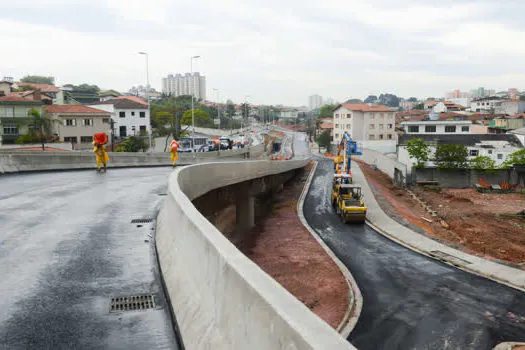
(174, 149)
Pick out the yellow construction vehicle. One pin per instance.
(338, 180)
(349, 203)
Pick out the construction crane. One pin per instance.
(349, 147)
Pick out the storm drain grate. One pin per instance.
(130, 303)
(141, 221)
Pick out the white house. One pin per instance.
(438, 127)
(486, 104)
(130, 117)
(495, 146)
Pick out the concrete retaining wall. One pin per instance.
(386, 164)
(13, 162)
(462, 178)
(223, 300)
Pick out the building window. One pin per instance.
(142, 114)
(10, 130)
(382, 115)
(372, 126)
(88, 122)
(381, 126)
(490, 151)
(413, 128)
(465, 129)
(348, 116)
(122, 114)
(132, 113)
(105, 121)
(336, 136)
(70, 139)
(86, 139)
(450, 128)
(473, 153)
(371, 137)
(337, 115)
(389, 136)
(430, 128)
(381, 136)
(70, 122)
(123, 131)
(337, 126)
(349, 126)
(390, 126)
(500, 156)
(142, 128)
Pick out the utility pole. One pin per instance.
(192, 97)
(147, 98)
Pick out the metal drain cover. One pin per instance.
(131, 303)
(141, 221)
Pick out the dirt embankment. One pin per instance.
(479, 224)
(281, 246)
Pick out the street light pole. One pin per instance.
(218, 107)
(246, 107)
(147, 98)
(192, 97)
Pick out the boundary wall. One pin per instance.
(15, 162)
(222, 300)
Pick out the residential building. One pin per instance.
(51, 91)
(315, 102)
(364, 122)
(429, 104)
(510, 107)
(512, 92)
(486, 104)
(187, 84)
(130, 117)
(520, 134)
(446, 106)
(513, 122)
(497, 147)
(288, 113)
(76, 124)
(437, 127)
(14, 118)
(326, 124)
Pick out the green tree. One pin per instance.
(38, 79)
(133, 144)
(326, 111)
(324, 140)
(516, 158)
(412, 99)
(451, 156)
(419, 106)
(202, 118)
(482, 163)
(418, 150)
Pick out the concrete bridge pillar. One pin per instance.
(245, 212)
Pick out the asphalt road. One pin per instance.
(411, 301)
(67, 246)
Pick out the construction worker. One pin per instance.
(99, 140)
(174, 149)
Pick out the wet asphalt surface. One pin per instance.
(66, 247)
(411, 301)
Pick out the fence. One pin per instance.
(463, 178)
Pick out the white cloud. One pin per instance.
(141, 10)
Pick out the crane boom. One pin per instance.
(349, 147)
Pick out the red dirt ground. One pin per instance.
(281, 246)
(480, 224)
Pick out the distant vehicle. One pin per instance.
(226, 143)
(186, 143)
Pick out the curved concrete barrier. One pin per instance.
(13, 162)
(223, 300)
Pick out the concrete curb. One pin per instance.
(507, 345)
(455, 261)
(355, 299)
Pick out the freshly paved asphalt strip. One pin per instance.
(67, 246)
(411, 301)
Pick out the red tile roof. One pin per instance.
(135, 99)
(326, 126)
(42, 87)
(16, 98)
(73, 109)
(363, 107)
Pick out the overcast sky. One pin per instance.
(278, 52)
